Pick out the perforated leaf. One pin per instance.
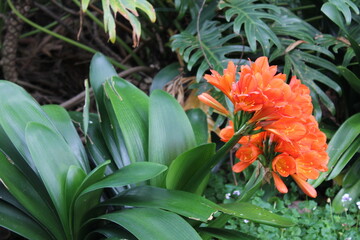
(208, 48)
(253, 19)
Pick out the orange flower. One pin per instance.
(305, 186)
(284, 164)
(212, 102)
(248, 153)
(247, 96)
(227, 133)
(279, 184)
(288, 129)
(291, 142)
(223, 83)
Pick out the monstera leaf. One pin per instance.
(251, 17)
(207, 48)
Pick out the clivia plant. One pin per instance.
(139, 177)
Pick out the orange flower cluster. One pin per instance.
(289, 137)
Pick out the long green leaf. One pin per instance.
(198, 120)
(131, 108)
(186, 165)
(18, 222)
(339, 204)
(133, 173)
(83, 203)
(183, 203)
(110, 232)
(9, 149)
(63, 123)
(345, 158)
(17, 108)
(100, 71)
(339, 143)
(170, 132)
(352, 174)
(25, 193)
(86, 107)
(252, 185)
(156, 224)
(256, 214)
(95, 143)
(74, 178)
(226, 234)
(52, 157)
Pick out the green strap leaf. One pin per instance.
(100, 71)
(186, 165)
(152, 224)
(18, 222)
(340, 142)
(253, 184)
(198, 120)
(86, 107)
(352, 174)
(83, 203)
(133, 173)
(63, 123)
(25, 193)
(17, 108)
(256, 214)
(226, 234)
(170, 132)
(345, 158)
(354, 192)
(131, 109)
(52, 157)
(183, 203)
(110, 232)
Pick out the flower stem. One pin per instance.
(199, 176)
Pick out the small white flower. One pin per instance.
(246, 221)
(227, 196)
(358, 204)
(349, 238)
(346, 198)
(236, 192)
(328, 200)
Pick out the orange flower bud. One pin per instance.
(212, 102)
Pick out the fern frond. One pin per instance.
(251, 17)
(208, 48)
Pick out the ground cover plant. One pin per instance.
(234, 120)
